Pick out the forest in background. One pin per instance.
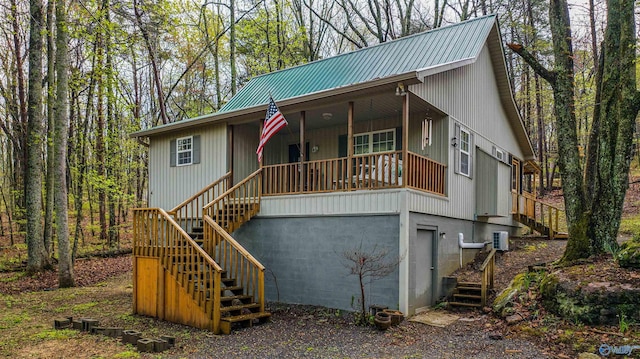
(137, 64)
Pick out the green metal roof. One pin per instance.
(429, 49)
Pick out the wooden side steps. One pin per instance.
(467, 294)
(236, 308)
(539, 227)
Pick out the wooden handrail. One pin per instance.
(488, 271)
(370, 171)
(213, 184)
(542, 214)
(189, 213)
(238, 204)
(235, 259)
(157, 234)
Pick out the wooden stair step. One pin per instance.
(468, 288)
(232, 288)
(467, 296)
(465, 304)
(232, 297)
(469, 284)
(239, 307)
(246, 319)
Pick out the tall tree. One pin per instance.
(50, 179)
(37, 254)
(594, 197)
(65, 265)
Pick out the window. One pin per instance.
(184, 151)
(465, 152)
(373, 142)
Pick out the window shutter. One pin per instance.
(196, 149)
(172, 153)
(342, 146)
(472, 150)
(398, 138)
(456, 150)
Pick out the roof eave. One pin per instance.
(432, 70)
(408, 78)
(506, 94)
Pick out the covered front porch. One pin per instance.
(387, 139)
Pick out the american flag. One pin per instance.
(273, 122)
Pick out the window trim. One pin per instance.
(465, 152)
(370, 146)
(179, 151)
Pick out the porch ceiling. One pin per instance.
(376, 106)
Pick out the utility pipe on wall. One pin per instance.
(465, 245)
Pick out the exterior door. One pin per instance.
(424, 269)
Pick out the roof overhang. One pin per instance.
(287, 105)
(432, 70)
(496, 51)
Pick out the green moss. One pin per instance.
(630, 225)
(127, 354)
(504, 300)
(53, 334)
(11, 320)
(629, 254)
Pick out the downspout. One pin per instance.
(464, 245)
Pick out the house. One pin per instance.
(414, 147)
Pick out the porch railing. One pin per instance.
(540, 214)
(372, 171)
(426, 174)
(235, 261)
(189, 212)
(156, 234)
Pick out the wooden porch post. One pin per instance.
(405, 133)
(349, 145)
(230, 154)
(302, 148)
(259, 136)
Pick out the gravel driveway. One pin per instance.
(312, 332)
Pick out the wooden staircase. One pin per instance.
(543, 218)
(219, 277)
(472, 294)
(467, 294)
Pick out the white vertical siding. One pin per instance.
(168, 186)
(335, 203)
(469, 95)
(245, 143)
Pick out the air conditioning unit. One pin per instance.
(501, 241)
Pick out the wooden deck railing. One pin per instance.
(540, 213)
(238, 204)
(488, 271)
(189, 213)
(156, 234)
(235, 260)
(372, 171)
(426, 174)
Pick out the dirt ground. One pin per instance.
(29, 306)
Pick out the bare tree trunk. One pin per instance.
(48, 217)
(37, 254)
(154, 62)
(100, 128)
(65, 265)
(232, 46)
(594, 202)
